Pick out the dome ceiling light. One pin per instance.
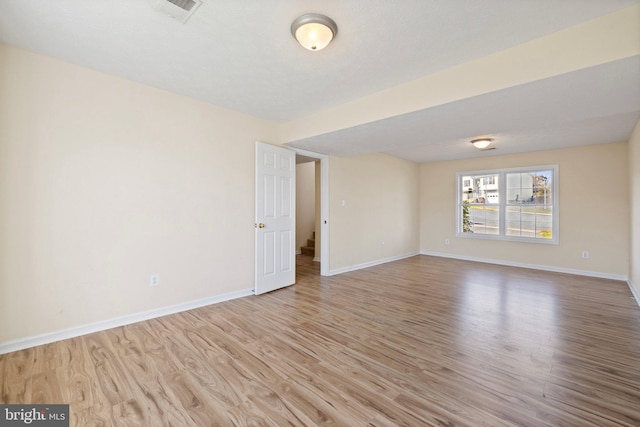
(314, 31)
(482, 143)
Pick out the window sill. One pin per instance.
(553, 241)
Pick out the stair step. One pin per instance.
(307, 250)
(310, 249)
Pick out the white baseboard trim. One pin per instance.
(370, 264)
(22, 343)
(634, 291)
(532, 266)
(316, 259)
(298, 252)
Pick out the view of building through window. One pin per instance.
(529, 201)
(481, 199)
(508, 203)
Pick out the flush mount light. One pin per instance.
(481, 143)
(314, 31)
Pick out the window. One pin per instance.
(511, 204)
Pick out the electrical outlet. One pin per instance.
(447, 241)
(154, 280)
(585, 254)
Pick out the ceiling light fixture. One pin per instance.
(314, 31)
(481, 143)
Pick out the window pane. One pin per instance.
(481, 219)
(544, 223)
(513, 224)
(520, 188)
(543, 187)
(480, 189)
(529, 221)
(528, 228)
(466, 190)
(519, 196)
(467, 223)
(521, 222)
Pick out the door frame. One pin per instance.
(324, 206)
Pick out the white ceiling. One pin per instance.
(240, 55)
(592, 106)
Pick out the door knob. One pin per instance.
(261, 225)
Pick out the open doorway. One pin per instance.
(307, 206)
(312, 228)
(307, 217)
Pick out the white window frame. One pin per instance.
(502, 192)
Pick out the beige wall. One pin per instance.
(104, 182)
(379, 219)
(594, 210)
(305, 202)
(634, 182)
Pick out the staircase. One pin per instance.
(310, 249)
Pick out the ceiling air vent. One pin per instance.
(180, 10)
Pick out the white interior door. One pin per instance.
(275, 218)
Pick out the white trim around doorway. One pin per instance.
(324, 207)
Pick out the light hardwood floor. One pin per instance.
(422, 341)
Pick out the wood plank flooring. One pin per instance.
(423, 341)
